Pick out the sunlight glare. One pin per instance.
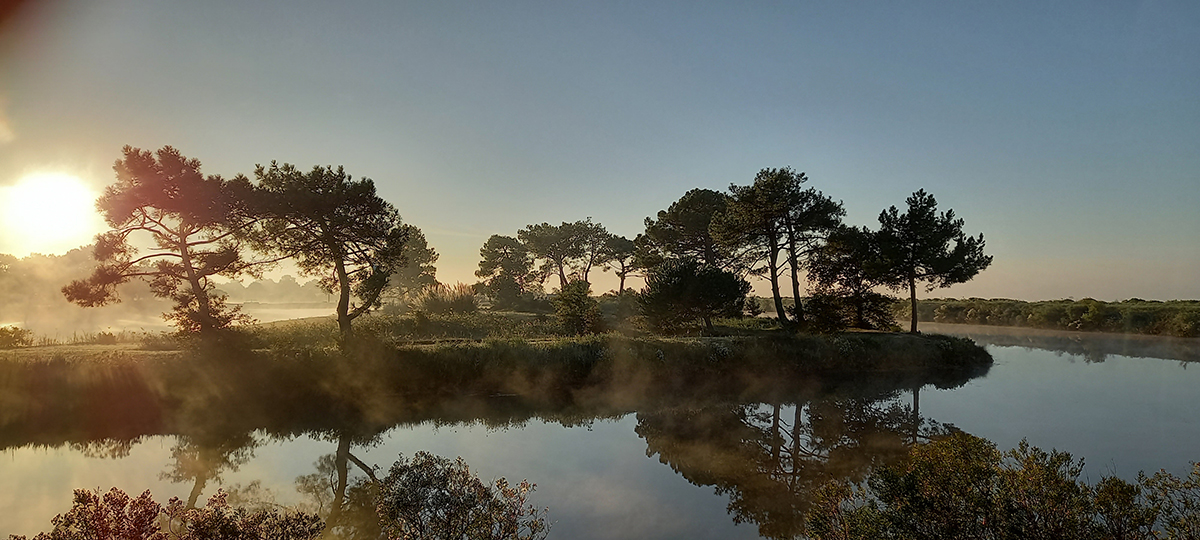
(49, 213)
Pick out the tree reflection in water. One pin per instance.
(770, 458)
(765, 442)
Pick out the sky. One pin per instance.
(1068, 133)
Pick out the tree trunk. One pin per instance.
(343, 306)
(197, 489)
(773, 269)
(621, 287)
(794, 472)
(793, 262)
(207, 325)
(916, 416)
(341, 462)
(776, 439)
(912, 295)
(708, 325)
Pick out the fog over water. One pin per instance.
(622, 464)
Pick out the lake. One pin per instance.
(673, 468)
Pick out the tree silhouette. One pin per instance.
(507, 270)
(336, 228)
(197, 224)
(916, 246)
(682, 230)
(775, 216)
(569, 250)
(754, 223)
(844, 273)
(621, 257)
(681, 291)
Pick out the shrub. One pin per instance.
(577, 311)
(117, 516)
(679, 292)
(432, 497)
(962, 487)
(12, 337)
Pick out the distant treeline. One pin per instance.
(1180, 318)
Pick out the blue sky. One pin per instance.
(1067, 132)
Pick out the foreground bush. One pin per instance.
(963, 487)
(431, 497)
(117, 516)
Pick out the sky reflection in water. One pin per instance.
(1122, 415)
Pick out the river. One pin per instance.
(725, 469)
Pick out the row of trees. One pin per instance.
(697, 253)
(332, 226)
(514, 267)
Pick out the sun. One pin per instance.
(48, 213)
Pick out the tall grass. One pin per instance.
(444, 299)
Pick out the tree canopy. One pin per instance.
(683, 230)
(197, 224)
(507, 270)
(922, 245)
(774, 221)
(569, 250)
(622, 258)
(336, 228)
(844, 273)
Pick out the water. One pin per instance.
(691, 469)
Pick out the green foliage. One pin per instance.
(577, 311)
(569, 250)
(620, 256)
(962, 487)
(916, 247)
(1180, 318)
(12, 337)
(117, 516)
(196, 222)
(774, 224)
(416, 276)
(681, 291)
(1176, 501)
(433, 498)
(507, 270)
(683, 231)
(831, 313)
(844, 274)
(339, 229)
(186, 314)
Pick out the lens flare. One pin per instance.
(49, 213)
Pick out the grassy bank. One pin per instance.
(57, 395)
(1179, 318)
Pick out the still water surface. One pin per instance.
(719, 470)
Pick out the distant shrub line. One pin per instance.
(1180, 318)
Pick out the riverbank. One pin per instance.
(56, 395)
(1178, 318)
(1091, 346)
